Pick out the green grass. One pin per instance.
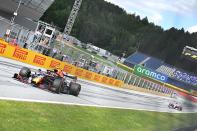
(124, 67)
(21, 116)
(95, 55)
(78, 50)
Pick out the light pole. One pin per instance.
(139, 42)
(138, 46)
(13, 18)
(16, 12)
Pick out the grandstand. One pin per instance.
(177, 77)
(167, 70)
(135, 59)
(139, 58)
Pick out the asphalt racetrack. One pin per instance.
(92, 94)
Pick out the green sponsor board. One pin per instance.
(142, 71)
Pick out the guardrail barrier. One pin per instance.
(36, 59)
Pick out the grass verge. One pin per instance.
(22, 116)
(71, 48)
(124, 67)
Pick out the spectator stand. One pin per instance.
(177, 77)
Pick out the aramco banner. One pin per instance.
(142, 71)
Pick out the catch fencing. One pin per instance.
(19, 32)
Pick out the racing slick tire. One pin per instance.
(15, 76)
(58, 84)
(25, 72)
(74, 89)
(65, 89)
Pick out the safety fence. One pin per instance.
(131, 79)
(19, 32)
(36, 59)
(147, 90)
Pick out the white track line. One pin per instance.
(77, 104)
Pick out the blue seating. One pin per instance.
(136, 58)
(146, 60)
(181, 84)
(153, 63)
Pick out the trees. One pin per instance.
(110, 27)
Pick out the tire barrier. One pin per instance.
(36, 59)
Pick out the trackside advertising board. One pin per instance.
(36, 59)
(142, 71)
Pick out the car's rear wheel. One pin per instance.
(74, 89)
(15, 76)
(58, 85)
(25, 72)
(65, 90)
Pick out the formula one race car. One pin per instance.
(52, 80)
(175, 105)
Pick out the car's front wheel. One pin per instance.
(25, 72)
(74, 88)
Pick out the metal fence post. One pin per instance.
(143, 83)
(148, 85)
(125, 77)
(134, 81)
(151, 86)
(129, 79)
(155, 87)
(138, 85)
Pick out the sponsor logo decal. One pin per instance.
(20, 54)
(68, 68)
(2, 48)
(142, 71)
(117, 83)
(54, 64)
(97, 77)
(88, 75)
(39, 60)
(104, 79)
(111, 81)
(79, 72)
